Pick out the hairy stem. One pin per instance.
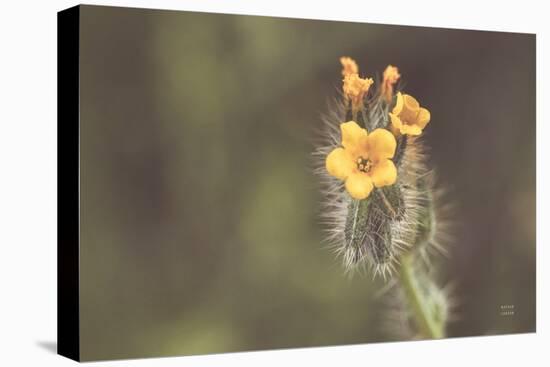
(387, 203)
(424, 318)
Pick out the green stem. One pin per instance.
(424, 320)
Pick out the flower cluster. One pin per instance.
(364, 161)
(354, 87)
(382, 210)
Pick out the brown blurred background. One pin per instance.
(199, 229)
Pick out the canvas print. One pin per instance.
(252, 183)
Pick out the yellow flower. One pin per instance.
(390, 77)
(407, 117)
(364, 160)
(349, 66)
(355, 89)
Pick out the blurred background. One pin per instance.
(199, 227)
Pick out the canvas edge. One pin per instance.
(68, 182)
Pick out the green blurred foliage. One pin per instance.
(199, 229)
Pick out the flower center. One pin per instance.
(364, 164)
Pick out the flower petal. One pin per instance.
(398, 104)
(410, 103)
(423, 118)
(339, 163)
(349, 66)
(359, 185)
(412, 130)
(352, 134)
(395, 121)
(384, 173)
(411, 107)
(381, 145)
